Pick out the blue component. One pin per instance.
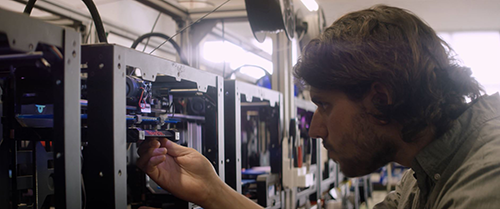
(40, 108)
(131, 108)
(30, 116)
(252, 172)
(46, 116)
(149, 119)
(248, 181)
(85, 116)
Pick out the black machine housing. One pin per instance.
(253, 137)
(132, 96)
(40, 145)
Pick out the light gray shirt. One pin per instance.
(459, 170)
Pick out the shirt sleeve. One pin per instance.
(393, 199)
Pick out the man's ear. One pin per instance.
(378, 102)
(380, 94)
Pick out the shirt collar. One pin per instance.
(434, 158)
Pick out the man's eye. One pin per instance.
(322, 105)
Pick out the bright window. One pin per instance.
(481, 52)
(218, 51)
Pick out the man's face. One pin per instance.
(351, 135)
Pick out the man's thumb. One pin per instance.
(176, 150)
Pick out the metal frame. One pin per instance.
(106, 65)
(23, 35)
(234, 90)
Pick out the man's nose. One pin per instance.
(318, 126)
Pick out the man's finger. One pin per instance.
(163, 142)
(159, 151)
(176, 150)
(153, 162)
(147, 146)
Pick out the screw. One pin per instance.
(227, 160)
(74, 43)
(101, 174)
(58, 155)
(101, 66)
(119, 57)
(58, 82)
(209, 150)
(119, 172)
(119, 66)
(74, 53)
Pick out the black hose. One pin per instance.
(29, 7)
(93, 11)
(155, 34)
(97, 20)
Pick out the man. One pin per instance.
(387, 90)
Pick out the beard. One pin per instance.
(370, 150)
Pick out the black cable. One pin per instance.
(93, 11)
(29, 7)
(97, 20)
(174, 44)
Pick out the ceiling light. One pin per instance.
(311, 5)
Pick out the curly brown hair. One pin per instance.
(394, 47)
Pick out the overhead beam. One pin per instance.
(235, 13)
(168, 7)
(78, 16)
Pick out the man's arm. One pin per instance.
(188, 175)
(228, 198)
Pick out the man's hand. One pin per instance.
(182, 171)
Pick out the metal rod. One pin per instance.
(197, 21)
(31, 55)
